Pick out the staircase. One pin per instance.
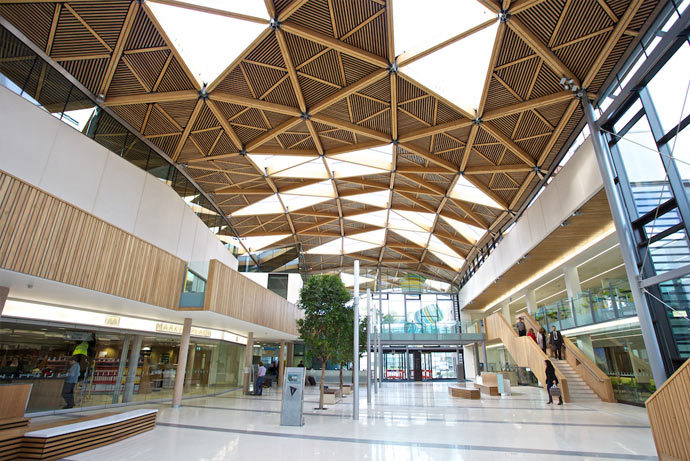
(579, 390)
(585, 378)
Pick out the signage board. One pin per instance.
(293, 397)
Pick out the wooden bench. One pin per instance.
(13, 401)
(61, 440)
(489, 384)
(11, 439)
(464, 392)
(332, 396)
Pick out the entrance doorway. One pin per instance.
(401, 364)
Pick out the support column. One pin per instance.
(180, 374)
(485, 356)
(248, 354)
(368, 345)
(4, 293)
(572, 281)
(121, 368)
(531, 297)
(355, 346)
(625, 238)
(584, 343)
(132, 365)
(290, 354)
(190, 367)
(281, 363)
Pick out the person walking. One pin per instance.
(71, 381)
(552, 382)
(520, 327)
(541, 339)
(532, 335)
(556, 341)
(260, 377)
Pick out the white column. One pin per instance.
(132, 365)
(369, 345)
(248, 354)
(355, 363)
(531, 297)
(121, 369)
(181, 363)
(572, 281)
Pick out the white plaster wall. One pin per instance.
(43, 151)
(258, 277)
(576, 183)
(295, 284)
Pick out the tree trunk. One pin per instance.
(323, 377)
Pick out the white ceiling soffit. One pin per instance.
(207, 42)
(466, 191)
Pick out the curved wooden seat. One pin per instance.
(464, 392)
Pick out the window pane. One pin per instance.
(644, 168)
(669, 89)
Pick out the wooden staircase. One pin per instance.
(523, 350)
(584, 376)
(579, 389)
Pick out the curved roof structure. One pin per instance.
(379, 130)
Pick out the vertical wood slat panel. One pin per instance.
(668, 409)
(230, 293)
(43, 236)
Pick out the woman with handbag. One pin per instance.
(552, 383)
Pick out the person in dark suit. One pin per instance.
(556, 341)
(551, 381)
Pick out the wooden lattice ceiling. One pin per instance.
(321, 83)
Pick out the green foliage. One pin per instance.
(323, 300)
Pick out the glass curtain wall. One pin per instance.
(646, 130)
(42, 356)
(415, 315)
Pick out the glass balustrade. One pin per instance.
(587, 308)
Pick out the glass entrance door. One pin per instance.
(395, 365)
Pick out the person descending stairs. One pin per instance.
(578, 388)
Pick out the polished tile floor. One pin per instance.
(405, 421)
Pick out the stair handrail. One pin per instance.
(607, 392)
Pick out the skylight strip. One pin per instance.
(211, 10)
(411, 56)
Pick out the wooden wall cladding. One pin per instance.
(44, 236)
(230, 293)
(668, 409)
